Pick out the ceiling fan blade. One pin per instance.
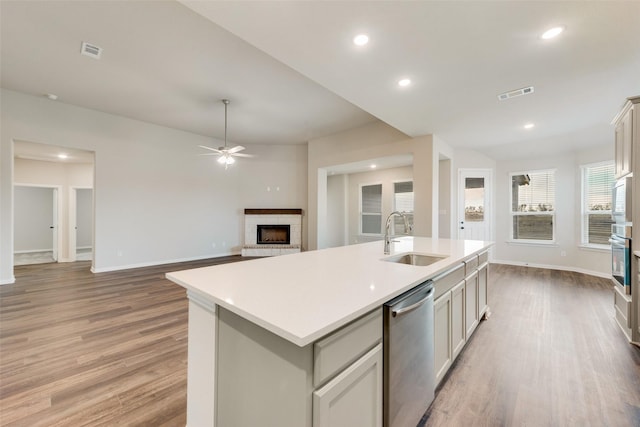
(209, 154)
(209, 148)
(235, 149)
(242, 155)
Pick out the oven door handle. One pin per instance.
(620, 242)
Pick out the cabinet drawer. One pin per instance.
(483, 257)
(447, 280)
(470, 265)
(623, 306)
(340, 349)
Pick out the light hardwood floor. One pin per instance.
(110, 350)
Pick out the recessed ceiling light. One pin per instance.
(63, 156)
(373, 166)
(529, 126)
(361, 39)
(51, 96)
(404, 82)
(552, 32)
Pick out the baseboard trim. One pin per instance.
(154, 263)
(9, 281)
(553, 267)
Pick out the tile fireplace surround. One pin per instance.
(255, 217)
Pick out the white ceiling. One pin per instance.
(50, 153)
(292, 72)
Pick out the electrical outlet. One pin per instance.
(119, 252)
(563, 253)
(213, 245)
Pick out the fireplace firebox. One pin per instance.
(274, 234)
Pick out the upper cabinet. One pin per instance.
(626, 123)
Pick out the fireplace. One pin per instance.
(272, 234)
(269, 232)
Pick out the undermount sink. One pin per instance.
(414, 259)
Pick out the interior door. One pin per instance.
(54, 224)
(474, 205)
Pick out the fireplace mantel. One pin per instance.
(273, 211)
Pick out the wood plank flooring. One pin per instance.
(549, 355)
(106, 349)
(110, 349)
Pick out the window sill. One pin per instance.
(550, 244)
(593, 248)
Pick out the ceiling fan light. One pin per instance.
(222, 159)
(230, 160)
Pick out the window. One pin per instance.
(473, 199)
(533, 196)
(403, 202)
(597, 181)
(371, 209)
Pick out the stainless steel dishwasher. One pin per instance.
(409, 378)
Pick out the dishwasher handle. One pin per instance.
(409, 308)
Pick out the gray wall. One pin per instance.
(84, 217)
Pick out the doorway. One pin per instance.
(35, 224)
(66, 175)
(474, 204)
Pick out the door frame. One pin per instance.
(487, 174)
(57, 214)
(73, 222)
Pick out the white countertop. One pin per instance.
(302, 297)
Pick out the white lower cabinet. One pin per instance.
(442, 335)
(461, 303)
(458, 329)
(471, 317)
(354, 397)
(483, 297)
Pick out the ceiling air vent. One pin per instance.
(91, 50)
(516, 92)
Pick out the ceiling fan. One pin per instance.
(225, 154)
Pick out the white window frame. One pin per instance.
(584, 212)
(512, 214)
(361, 213)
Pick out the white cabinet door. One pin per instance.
(624, 144)
(458, 327)
(354, 397)
(471, 303)
(442, 335)
(483, 299)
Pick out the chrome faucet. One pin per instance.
(387, 238)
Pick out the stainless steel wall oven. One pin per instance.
(621, 233)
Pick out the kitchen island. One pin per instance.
(276, 341)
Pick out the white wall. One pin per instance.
(567, 220)
(445, 199)
(386, 177)
(156, 199)
(337, 199)
(33, 219)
